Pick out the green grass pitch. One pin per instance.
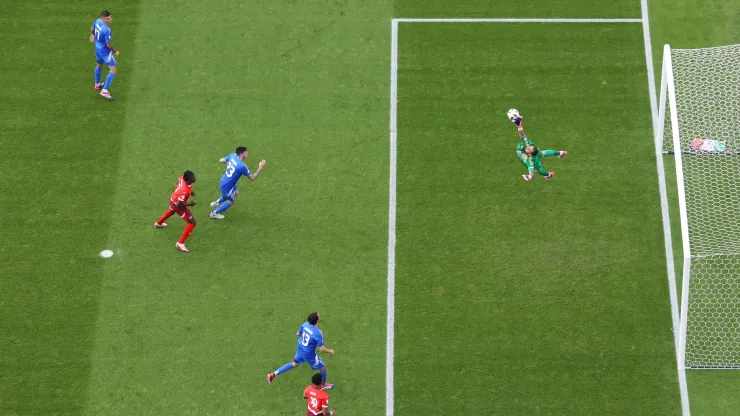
(512, 298)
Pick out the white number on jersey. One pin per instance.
(231, 168)
(306, 338)
(314, 402)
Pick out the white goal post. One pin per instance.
(699, 124)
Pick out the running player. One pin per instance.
(179, 205)
(235, 168)
(530, 155)
(104, 52)
(318, 399)
(309, 338)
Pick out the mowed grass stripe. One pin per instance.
(542, 297)
(197, 333)
(59, 148)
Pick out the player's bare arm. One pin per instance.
(223, 160)
(326, 350)
(92, 34)
(110, 46)
(261, 165)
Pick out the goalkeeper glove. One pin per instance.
(527, 177)
(518, 121)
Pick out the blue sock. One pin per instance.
(220, 200)
(108, 80)
(284, 368)
(226, 205)
(98, 71)
(323, 375)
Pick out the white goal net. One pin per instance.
(700, 98)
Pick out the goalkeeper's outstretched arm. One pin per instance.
(529, 162)
(520, 128)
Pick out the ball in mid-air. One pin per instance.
(513, 114)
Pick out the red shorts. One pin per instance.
(183, 212)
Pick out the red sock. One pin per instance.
(166, 215)
(186, 233)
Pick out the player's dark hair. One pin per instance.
(104, 13)
(188, 175)
(313, 318)
(316, 379)
(240, 150)
(535, 151)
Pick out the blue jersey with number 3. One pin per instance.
(309, 338)
(102, 36)
(235, 168)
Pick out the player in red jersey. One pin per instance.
(317, 398)
(179, 205)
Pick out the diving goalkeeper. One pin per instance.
(529, 154)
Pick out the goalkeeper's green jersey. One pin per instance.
(531, 162)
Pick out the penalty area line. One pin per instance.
(393, 142)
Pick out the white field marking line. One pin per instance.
(391, 299)
(515, 20)
(667, 235)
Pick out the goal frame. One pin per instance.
(668, 101)
(668, 97)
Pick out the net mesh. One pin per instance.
(713, 328)
(707, 86)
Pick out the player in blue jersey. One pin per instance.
(235, 168)
(309, 338)
(104, 52)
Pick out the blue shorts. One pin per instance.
(228, 194)
(105, 58)
(314, 360)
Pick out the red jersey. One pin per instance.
(317, 399)
(182, 192)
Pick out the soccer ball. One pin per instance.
(513, 114)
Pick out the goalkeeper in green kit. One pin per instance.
(528, 153)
